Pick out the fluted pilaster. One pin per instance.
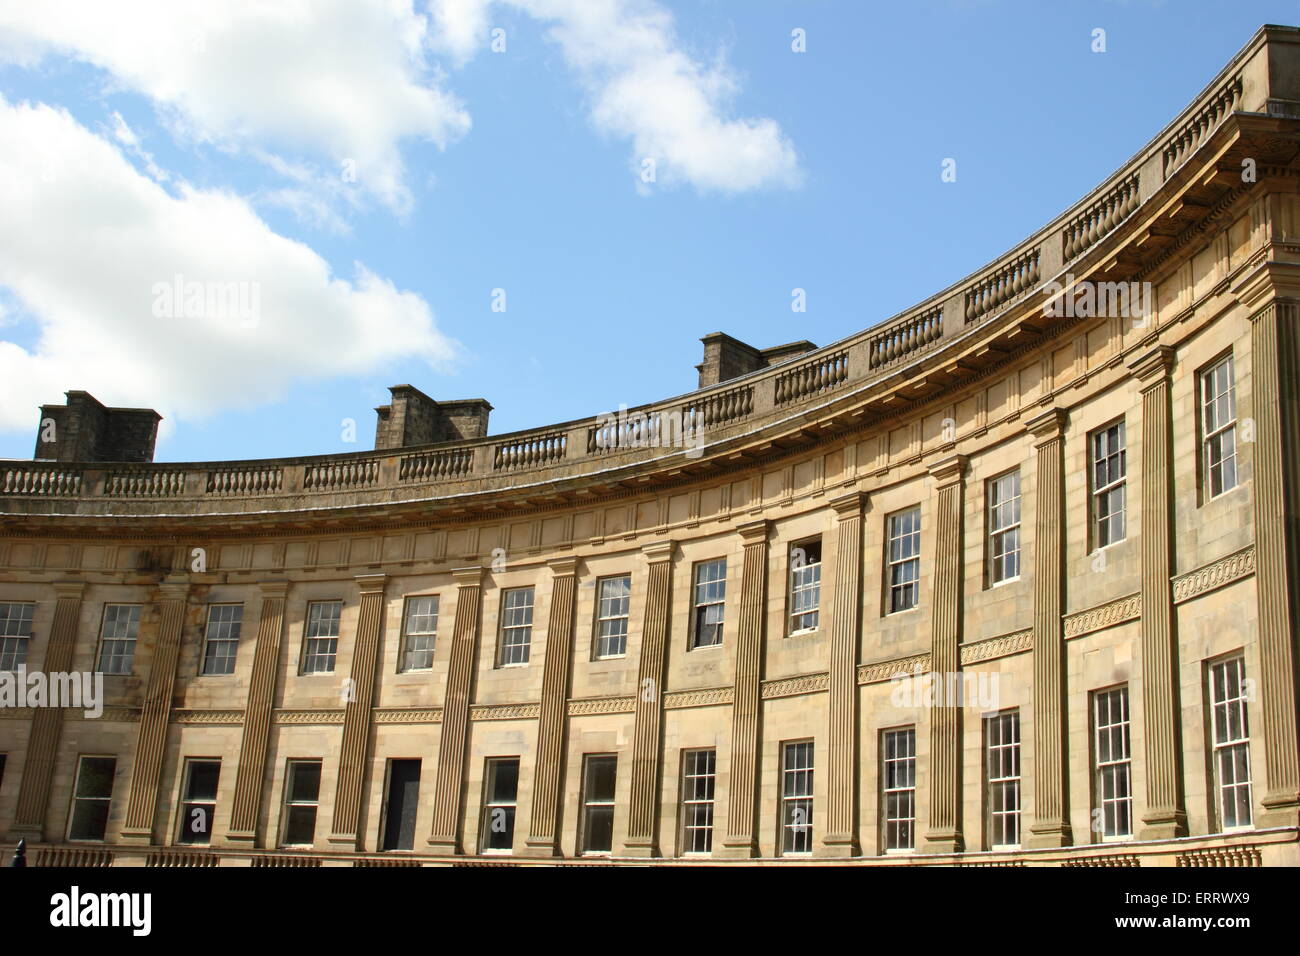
(151, 740)
(1166, 811)
(742, 792)
(944, 832)
(250, 775)
(647, 733)
(47, 724)
(553, 723)
(358, 708)
(1050, 826)
(444, 838)
(1275, 344)
(842, 776)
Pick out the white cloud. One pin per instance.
(86, 239)
(335, 80)
(645, 88)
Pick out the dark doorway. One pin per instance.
(403, 800)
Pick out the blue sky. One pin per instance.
(521, 170)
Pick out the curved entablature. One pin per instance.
(1124, 230)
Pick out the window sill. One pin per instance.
(706, 647)
(504, 667)
(998, 584)
(804, 631)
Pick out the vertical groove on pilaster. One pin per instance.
(146, 768)
(742, 791)
(250, 775)
(455, 716)
(47, 724)
(842, 820)
(1276, 363)
(357, 712)
(647, 733)
(543, 823)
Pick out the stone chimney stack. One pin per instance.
(85, 430)
(413, 418)
(726, 358)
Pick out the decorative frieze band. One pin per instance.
(408, 715)
(233, 717)
(505, 711)
(994, 647)
(885, 670)
(1103, 616)
(601, 705)
(1234, 567)
(309, 716)
(698, 698)
(793, 686)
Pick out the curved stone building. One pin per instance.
(1008, 579)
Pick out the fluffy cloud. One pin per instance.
(645, 88)
(90, 248)
(335, 80)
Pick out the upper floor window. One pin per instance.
(15, 634)
(1109, 470)
(516, 626)
(221, 638)
(419, 629)
(322, 641)
(1229, 691)
(596, 825)
(611, 616)
(1004, 527)
(117, 638)
(904, 559)
(805, 585)
(1219, 426)
(710, 602)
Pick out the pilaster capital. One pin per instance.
(175, 587)
(274, 589)
(468, 577)
(564, 567)
(1048, 425)
(1268, 281)
(948, 471)
(849, 506)
(69, 590)
(659, 551)
(371, 583)
(754, 532)
(1153, 366)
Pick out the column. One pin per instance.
(47, 724)
(553, 723)
(151, 741)
(944, 833)
(1050, 826)
(1275, 347)
(1166, 812)
(742, 791)
(357, 712)
(250, 775)
(647, 732)
(444, 840)
(841, 838)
